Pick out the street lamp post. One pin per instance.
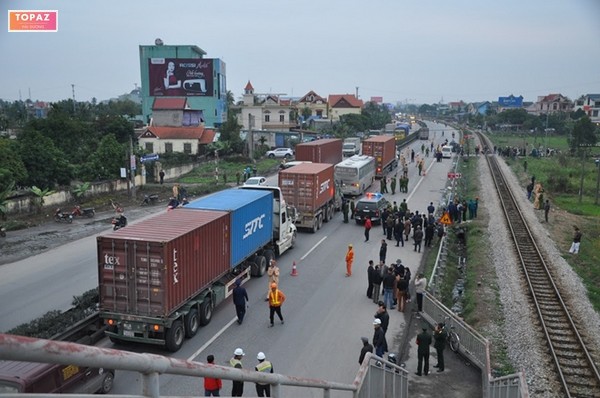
(597, 181)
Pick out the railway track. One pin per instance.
(575, 368)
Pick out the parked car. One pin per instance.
(253, 181)
(447, 152)
(371, 205)
(280, 153)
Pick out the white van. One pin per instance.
(447, 152)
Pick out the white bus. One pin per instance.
(355, 174)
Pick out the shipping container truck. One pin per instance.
(320, 151)
(383, 149)
(311, 189)
(160, 279)
(351, 147)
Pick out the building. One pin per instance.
(166, 139)
(265, 111)
(590, 104)
(551, 103)
(181, 71)
(315, 103)
(343, 104)
(510, 102)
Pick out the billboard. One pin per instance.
(511, 101)
(179, 77)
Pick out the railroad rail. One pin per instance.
(576, 371)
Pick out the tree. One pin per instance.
(583, 134)
(12, 169)
(377, 116)
(353, 123)
(106, 161)
(46, 164)
(230, 132)
(40, 194)
(4, 195)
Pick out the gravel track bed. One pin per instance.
(526, 345)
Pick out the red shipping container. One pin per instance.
(307, 186)
(153, 267)
(320, 151)
(382, 148)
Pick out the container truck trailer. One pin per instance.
(160, 279)
(320, 151)
(383, 149)
(311, 189)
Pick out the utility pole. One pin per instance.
(132, 166)
(356, 92)
(250, 138)
(73, 90)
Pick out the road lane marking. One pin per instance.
(313, 248)
(209, 342)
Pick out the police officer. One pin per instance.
(263, 389)
(423, 341)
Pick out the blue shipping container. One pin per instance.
(251, 218)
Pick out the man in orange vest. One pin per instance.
(349, 260)
(276, 299)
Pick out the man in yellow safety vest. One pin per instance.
(263, 389)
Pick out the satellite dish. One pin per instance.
(158, 42)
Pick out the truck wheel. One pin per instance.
(261, 266)
(269, 255)
(115, 340)
(174, 337)
(315, 225)
(206, 311)
(320, 221)
(331, 212)
(107, 382)
(293, 240)
(192, 323)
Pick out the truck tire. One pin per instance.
(174, 337)
(192, 323)
(115, 340)
(107, 382)
(320, 221)
(315, 225)
(269, 255)
(261, 266)
(293, 240)
(206, 310)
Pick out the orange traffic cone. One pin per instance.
(294, 270)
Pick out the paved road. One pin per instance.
(326, 313)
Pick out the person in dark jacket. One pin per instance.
(383, 250)
(237, 389)
(398, 229)
(370, 274)
(377, 279)
(383, 315)
(365, 348)
(240, 296)
(429, 232)
(418, 237)
(389, 281)
(379, 342)
(423, 341)
(440, 336)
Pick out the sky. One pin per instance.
(404, 51)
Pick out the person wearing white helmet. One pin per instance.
(379, 341)
(236, 362)
(263, 389)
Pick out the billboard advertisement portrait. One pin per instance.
(177, 77)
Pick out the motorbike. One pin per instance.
(149, 200)
(60, 216)
(2, 231)
(88, 212)
(119, 222)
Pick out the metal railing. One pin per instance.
(376, 377)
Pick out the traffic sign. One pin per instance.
(452, 176)
(147, 158)
(445, 219)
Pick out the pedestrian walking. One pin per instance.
(576, 240)
(352, 208)
(365, 348)
(440, 336)
(430, 208)
(370, 277)
(345, 210)
(379, 341)
(429, 232)
(546, 209)
(401, 291)
(529, 191)
(349, 260)
(389, 280)
(384, 216)
(418, 237)
(263, 389)
(212, 385)
(383, 250)
(276, 299)
(273, 274)
(424, 342)
(398, 229)
(393, 184)
(367, 228)
(420, 286)
(237, 389)
(161, 175)
(407, 228)
(240, 296)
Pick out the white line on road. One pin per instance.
(209, 342)
(313, 248)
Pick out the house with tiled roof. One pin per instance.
(166, 139)
(175, 112)
(590, 104)
(551, 103)
(315, 103)
(265, 111)
(343, 104)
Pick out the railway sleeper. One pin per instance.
(570, 351)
